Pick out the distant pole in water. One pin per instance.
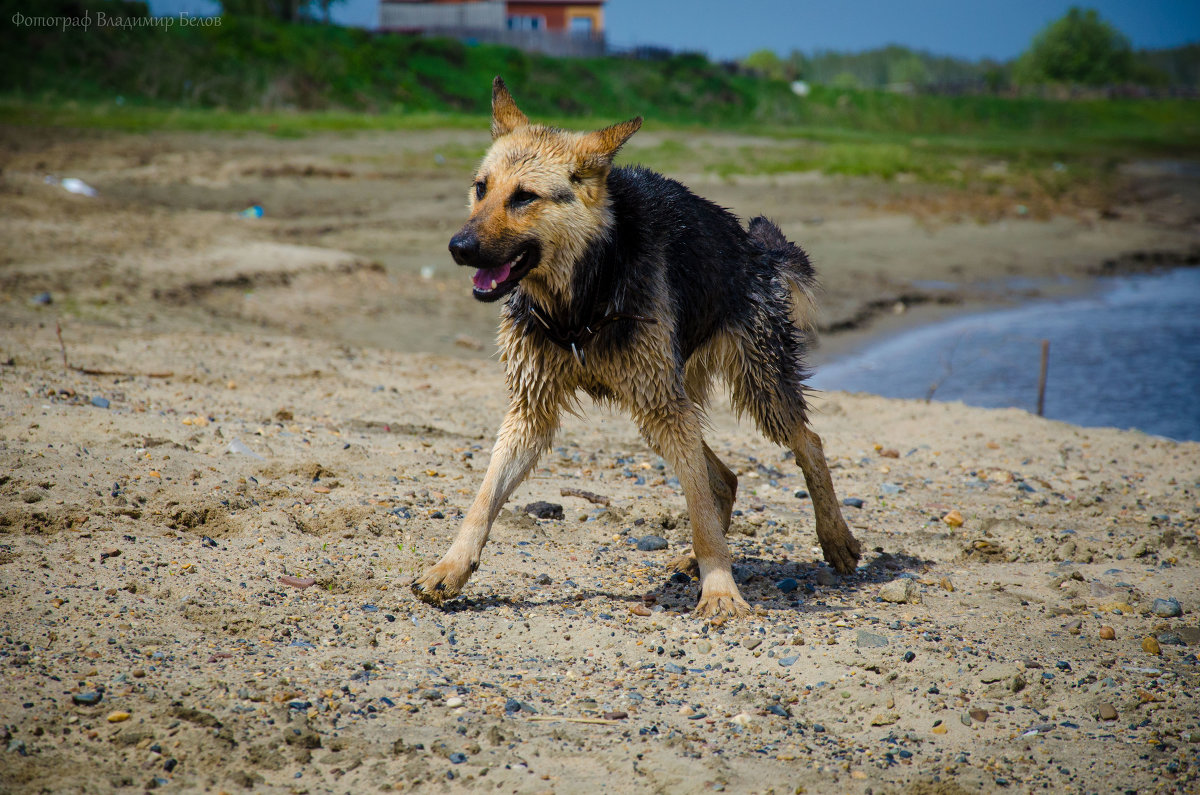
(1042, 378)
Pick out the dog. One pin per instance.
(623, 285)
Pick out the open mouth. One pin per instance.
(493, 283)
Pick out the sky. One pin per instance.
(730, 29)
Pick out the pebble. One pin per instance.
(651, 543)
(544, 510)
(454, 701)
(1171, 639)
(1166, 608)
(787, 585)
(616, 715)
(1107, 633)
(885, 719)
(1150, 645)
(801, 494)
(457, 758)
(953, 518)
(965, 719)
(87, 699)
(1107, 712)
(909, 656)
(890, 489)
(869, 640)
(118, 716)
(826, 577)
(752, 643)
(100, 402)
(297, 582)
(640, 610)
(980, 715)
(703, 647)
(788, 661)
(901, 591)
(852, 502)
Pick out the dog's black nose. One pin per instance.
(464, 247)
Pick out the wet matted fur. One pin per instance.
(623, 285)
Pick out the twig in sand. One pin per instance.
(597, 499)
(62, 347)
(590, 721)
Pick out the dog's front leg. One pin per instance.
(522, 438)
(677, 436)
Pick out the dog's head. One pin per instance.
(539, 197)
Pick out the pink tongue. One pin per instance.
(485, 276)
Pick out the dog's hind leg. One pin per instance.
(840, 547)
(724, 488)
(522, 438)
(676, 435)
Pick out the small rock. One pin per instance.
(454, 701)
(980, 715)
(640, 610)
(869, 640)
(703, 647)
(1166, 608)
(1107, 712)
(457, 758)
(889, 452)
(826, 577)
(787, 585)
(801, 494)
(1107, 633)
(885, 719)
(651, 543)
(99, 402)
(901, 591)
(1171, 639)
(617, 715)
(953, 518)
(1150, 645)
(118, 716)
(752, 643)
(965, 718)
(544, 510)
(787, 661)
(742, 719)
(890, 489)
(543, 579)
(88, 698)
(852, 502)
(909, 656)
(43, 298)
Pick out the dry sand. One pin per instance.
(245, 401)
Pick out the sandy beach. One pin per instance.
(227, 444)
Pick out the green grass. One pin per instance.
(259, 76)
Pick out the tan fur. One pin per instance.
(543, 379)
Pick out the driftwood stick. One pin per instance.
(1041, 403)
(598, 499)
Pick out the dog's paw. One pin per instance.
(441, 581)
(722, 605)
(842, 552)
(686, 564)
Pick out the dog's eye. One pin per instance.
(522, 198)
(480, 189)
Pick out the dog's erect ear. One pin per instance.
(607, 142)
(598, 148)
(506, 116)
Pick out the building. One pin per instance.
(555, 27)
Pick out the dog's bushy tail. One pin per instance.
(794, 267)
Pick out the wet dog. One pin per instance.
(625, 286)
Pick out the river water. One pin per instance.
(1126, 356)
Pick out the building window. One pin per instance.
(526, 23)
(581, 26)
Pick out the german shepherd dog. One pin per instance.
(624, 285)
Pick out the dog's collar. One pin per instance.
(575, 340)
